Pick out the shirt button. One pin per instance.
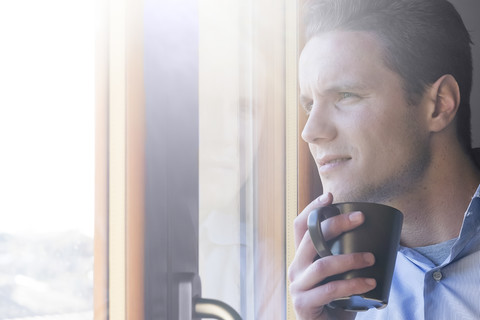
(437, 275)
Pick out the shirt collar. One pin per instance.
(470, 230)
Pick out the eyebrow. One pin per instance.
(347, 86)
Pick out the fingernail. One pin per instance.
(355, 216)
(371, 282)
(369, 258)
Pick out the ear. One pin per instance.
(445, 95)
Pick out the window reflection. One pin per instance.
(226, 155)
(241, 184)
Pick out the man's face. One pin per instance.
(369, 144)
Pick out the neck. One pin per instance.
(434, 209)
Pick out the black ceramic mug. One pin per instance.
(379, 234)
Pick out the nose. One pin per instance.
(319, 127)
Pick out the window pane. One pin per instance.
(47, 163)
(223, 247)
(242, 156)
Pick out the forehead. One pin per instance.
(344, 57)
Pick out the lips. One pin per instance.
(331, 161)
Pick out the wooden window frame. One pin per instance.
(302, 180)
(119, 161)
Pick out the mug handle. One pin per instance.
(315, 219)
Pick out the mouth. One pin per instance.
(330, 162)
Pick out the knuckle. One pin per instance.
(330, 288)
(293, 289)
(298, 302)
(320, 265)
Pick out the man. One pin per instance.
(386, 84)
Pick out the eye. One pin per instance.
(307, 105)
(346, 95)
(347, 99)
(308, 108)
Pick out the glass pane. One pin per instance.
(241, 101)
(47, 163)
(223, 245)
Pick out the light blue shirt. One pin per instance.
(451, 291)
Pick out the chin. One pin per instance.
(351, 195)
(339, 196)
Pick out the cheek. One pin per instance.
(379, 138)
(394, 142)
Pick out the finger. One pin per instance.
(304, 255)
(329, 266)
(300, 223)
(324, 294)
(332, 227)
(335, 226)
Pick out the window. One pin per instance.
(242, 155)
(47, 163)
(207, 90)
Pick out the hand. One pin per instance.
(309, 298)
